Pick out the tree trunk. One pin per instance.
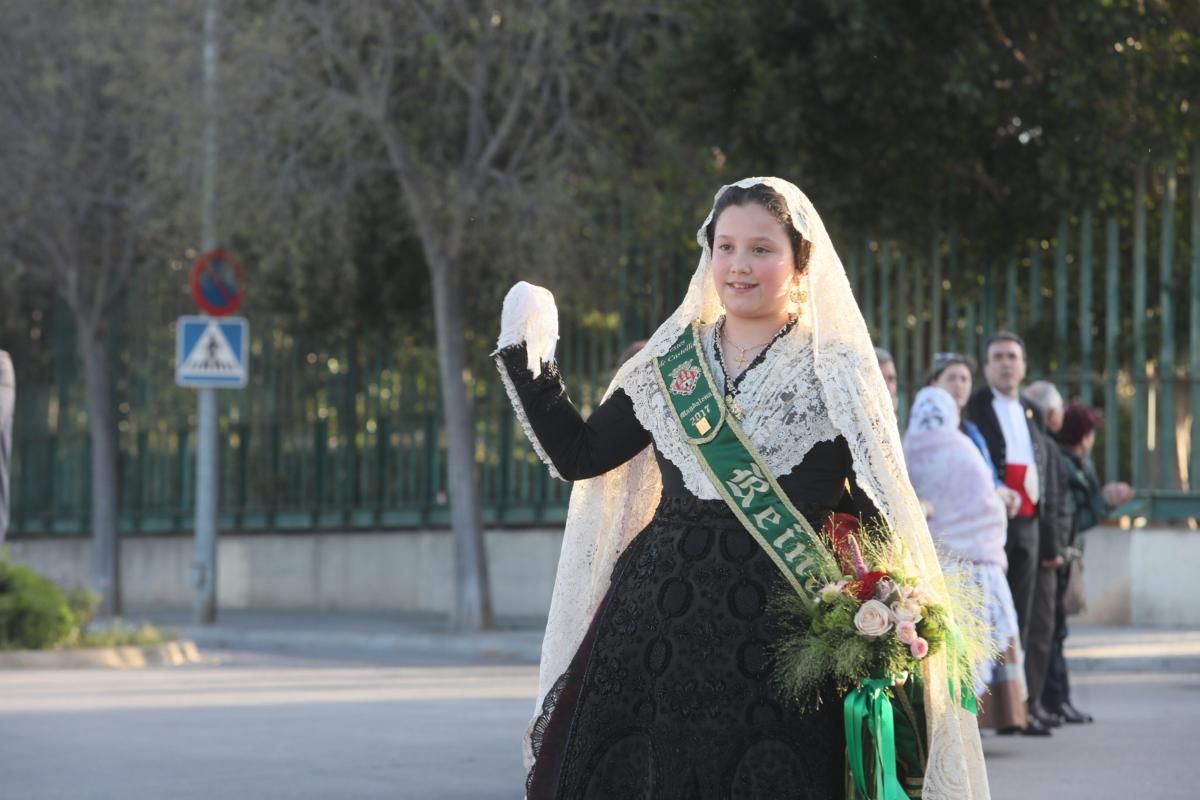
(472, 596)
(102, 426)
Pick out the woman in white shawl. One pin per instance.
(655, 666)
(969, 525)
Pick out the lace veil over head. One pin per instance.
(606, 512)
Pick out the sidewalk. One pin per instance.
(1089, 648)
(1125, 648)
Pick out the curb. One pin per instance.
(170, 654)
(1162, 664)
(518, 646)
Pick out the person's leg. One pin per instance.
(1022, 550)
(1057, 691)
(1041, 635)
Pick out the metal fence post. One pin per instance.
(885, 295)
(1061, 351)
(1139, 442)
(1086, 267)
(1112, 357)
(1194, 324)
(1168, 468)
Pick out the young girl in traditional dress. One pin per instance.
(655, 676)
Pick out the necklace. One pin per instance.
(732, 387)
(740, 359)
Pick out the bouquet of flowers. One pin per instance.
(873, 621)
(865, 633)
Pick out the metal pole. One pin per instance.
(1060, 303)
(8, 400)
(1194, 324)
(1035, 285)
(1010, 298)
(870, 280)
(885, 295)
(988, 312)
(1112, 358)
(1168, 467)
(1086, 232)
(204, 568)
(1140, 421)
(935, 292)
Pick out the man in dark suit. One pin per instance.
(1011, 426)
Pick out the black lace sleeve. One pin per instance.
(578, 448)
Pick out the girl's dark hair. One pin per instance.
(772, 201)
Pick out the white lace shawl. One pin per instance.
(785, 410)
(606, 512)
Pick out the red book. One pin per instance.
(1014, 478)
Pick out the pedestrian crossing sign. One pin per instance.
(212, 352)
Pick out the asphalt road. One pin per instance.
(265, 727)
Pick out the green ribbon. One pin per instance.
(870, 703)
(958, 667)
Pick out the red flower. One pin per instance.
(864, 588)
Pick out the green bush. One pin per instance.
(83, 604)
(34, 613)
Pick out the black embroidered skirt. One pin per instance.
(668, 697)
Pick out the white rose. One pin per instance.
(907, 611)
(873, 619)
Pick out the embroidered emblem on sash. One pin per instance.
(684, 381)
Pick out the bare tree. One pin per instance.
(470, 107)
(86, 117)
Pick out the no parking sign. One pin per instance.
(218, 283)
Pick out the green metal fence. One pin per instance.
(345, 433)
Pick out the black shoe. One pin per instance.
(1044, 717)
(1072, 715)
(1033, 727)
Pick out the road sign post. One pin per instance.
(8, 401)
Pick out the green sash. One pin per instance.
(734, 468)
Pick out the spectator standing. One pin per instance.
(1011, 428)
(1091, 504)
(970, 525)
(1055, 540)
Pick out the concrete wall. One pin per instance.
(405, 570)
(1143, 576)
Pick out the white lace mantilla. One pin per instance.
(785, 409)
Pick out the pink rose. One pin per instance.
(906, 632)
(919, 648)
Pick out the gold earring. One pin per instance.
(798, 295)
